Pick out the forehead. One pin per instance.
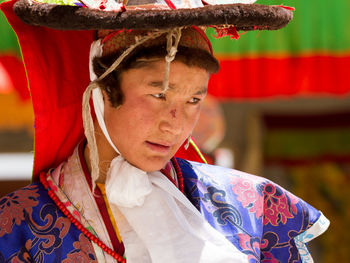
(151, 72)
(156, 66)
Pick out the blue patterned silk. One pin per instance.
(260, 218)
(33, 229)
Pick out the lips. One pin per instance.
(159, 147)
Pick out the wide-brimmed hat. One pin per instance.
(142, 14)
(57, 61)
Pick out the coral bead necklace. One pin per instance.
(80, 227)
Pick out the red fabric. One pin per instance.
(101, 204)
(15, 70)
(230, 31)
(57, 64)
(57, 68)
(189, 154)
(259, 78)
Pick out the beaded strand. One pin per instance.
(180, 178)
(79, 226)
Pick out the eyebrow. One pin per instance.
(159, 84)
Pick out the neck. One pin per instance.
(105, 152)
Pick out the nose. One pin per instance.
(172, 120)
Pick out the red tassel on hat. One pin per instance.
(226, 31)
(287, 7)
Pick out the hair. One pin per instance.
(111, 83)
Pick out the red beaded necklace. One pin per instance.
(80, 227)
(180, 178)
(87, 233)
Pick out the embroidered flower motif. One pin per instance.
(248, 196)
(250, 246)
(279, 205)
(14, 206)
(83, 252)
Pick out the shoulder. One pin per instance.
(249, 189)
(23, 199)
(222, 177)
(16, 211)
(18, 206)
(32, 227)
(254, 208)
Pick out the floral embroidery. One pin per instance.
(250, 246)
(83, 252)
(248, 196)
(15, 206)
(279, 205)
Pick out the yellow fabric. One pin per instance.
(114, 224)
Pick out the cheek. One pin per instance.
(132, 119)
(141, 114)
(194, 116)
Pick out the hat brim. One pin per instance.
(243, 16)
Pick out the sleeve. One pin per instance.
(288, 224)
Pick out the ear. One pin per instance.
(104, 95)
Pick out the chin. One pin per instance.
(152, 165)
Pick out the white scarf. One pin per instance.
(162, 224)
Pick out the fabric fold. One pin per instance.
(162, 224)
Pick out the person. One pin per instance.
(122, 196)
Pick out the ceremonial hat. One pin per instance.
(152, 14)
(55, 41)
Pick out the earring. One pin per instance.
(188, 142)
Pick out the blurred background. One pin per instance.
(279, 108)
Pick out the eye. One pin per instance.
(194, 101)
(159, 96)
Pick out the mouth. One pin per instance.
(159, 147)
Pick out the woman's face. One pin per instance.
(150, 126)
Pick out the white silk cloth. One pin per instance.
(162, 225)
(167, 227)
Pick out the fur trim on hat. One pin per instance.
(242, 16)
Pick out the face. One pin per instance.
(150, 126)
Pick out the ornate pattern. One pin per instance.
(279, 205)
(15, 207)
(225, 213)
(83, 252)
(260, 218)
(250, 246)
(248, 196)
(34, 230)
(61, 2)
